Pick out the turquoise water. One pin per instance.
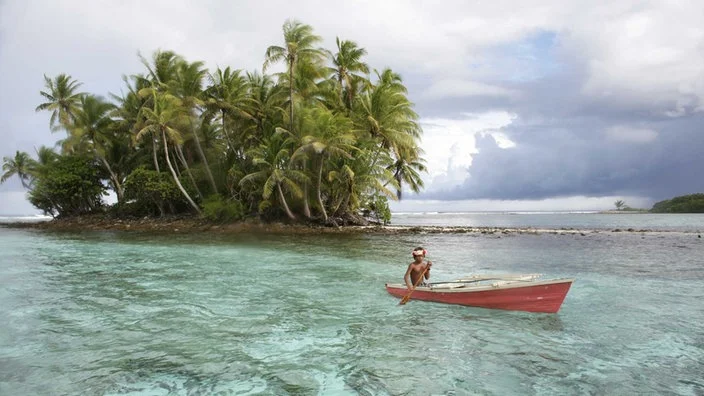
(129, 313)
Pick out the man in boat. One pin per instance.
(417, 268)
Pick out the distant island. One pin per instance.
(326, 141)
(693, 203)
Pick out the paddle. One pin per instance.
(407, 297)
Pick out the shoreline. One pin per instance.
(186, 225)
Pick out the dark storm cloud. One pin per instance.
(566, 147)
(641, 140)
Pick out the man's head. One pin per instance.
(419, 253)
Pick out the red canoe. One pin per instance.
(510, 292)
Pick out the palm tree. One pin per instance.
(161, 72)
(327, 135)
(167, 119)
(299, 42)
(128, 113)
(348, 61)
(271, 159)
(386, 115)
(188, 86)
(45, 156)
(356, 178)
(163, 69)
(63, 100)
(92, 131)
(21, 165)
(406, 169)
(267, 100)
(227, 95)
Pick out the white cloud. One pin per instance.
(449, 88)
(642, 52)
(450, 143)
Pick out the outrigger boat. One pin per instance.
(524, 292)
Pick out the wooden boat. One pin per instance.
(510, 292)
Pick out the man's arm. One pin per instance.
(407, 277)
(427, 271)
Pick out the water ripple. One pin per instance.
(120, 314)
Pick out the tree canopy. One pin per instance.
(326, 140)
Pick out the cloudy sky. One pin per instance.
(560, 105)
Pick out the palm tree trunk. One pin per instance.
(283, 202)
(306, 205)
(182, 158)
(156, 162)
(227, 134)
(290, 94)
(160, 206)
(203, 158)
(115, 181)
(320, 199)
(174, 158)
(173, 173)
(342, 89)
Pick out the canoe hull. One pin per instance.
(543, 296)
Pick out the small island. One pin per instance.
(327, 141)
(693, 203)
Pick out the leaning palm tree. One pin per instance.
(355, 180)
(128, 113)
(20, 165)
(63, 100)
(92, 131)
(167, 119)
(299, 42)
(326, 135)
(188, 86)
(271, 159)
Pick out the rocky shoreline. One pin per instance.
(194, 224)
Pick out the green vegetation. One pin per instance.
(693, 203)
(620, 204)
(70, 185)
(322, 141)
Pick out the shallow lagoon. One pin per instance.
(137, 313)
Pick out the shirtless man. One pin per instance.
(416, 268)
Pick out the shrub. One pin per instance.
(70, 186)
(378, 208)
(216, 208)
(150, 190)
